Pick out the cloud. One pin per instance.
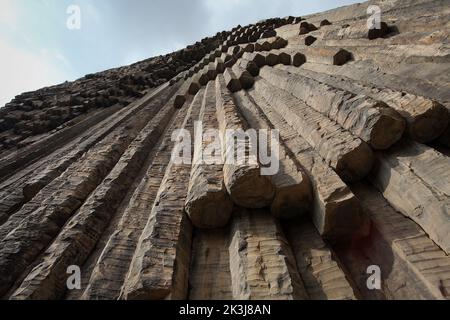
(25, 71)
(9, 13)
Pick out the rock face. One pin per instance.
(90, 171)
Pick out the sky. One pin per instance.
(39, 45)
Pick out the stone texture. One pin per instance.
(336, 211)
(325, 55)
(79, 236)
(245, 78)
(426, 119)
(250, 66)
(256, 58)
(58, 201)
(356, 31)
(419, 268)
(322, 275)
(427, 203)
(110, 266)
(167, 227)
(231, 80)
(262, 265)
(210, 277)
(293, 195)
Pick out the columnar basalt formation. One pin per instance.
(90, 171)
(242, 177)
(208, 204)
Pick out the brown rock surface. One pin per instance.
(243, 179)
(371, 120)
(349, 156)
(88, 175)
(261, 265)
(208, 204)
(167, 227)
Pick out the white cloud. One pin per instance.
(9, 13)
(26, 71)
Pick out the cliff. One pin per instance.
(88, 178)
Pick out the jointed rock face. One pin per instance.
(88, 176)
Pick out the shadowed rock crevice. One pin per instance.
(89, 175)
